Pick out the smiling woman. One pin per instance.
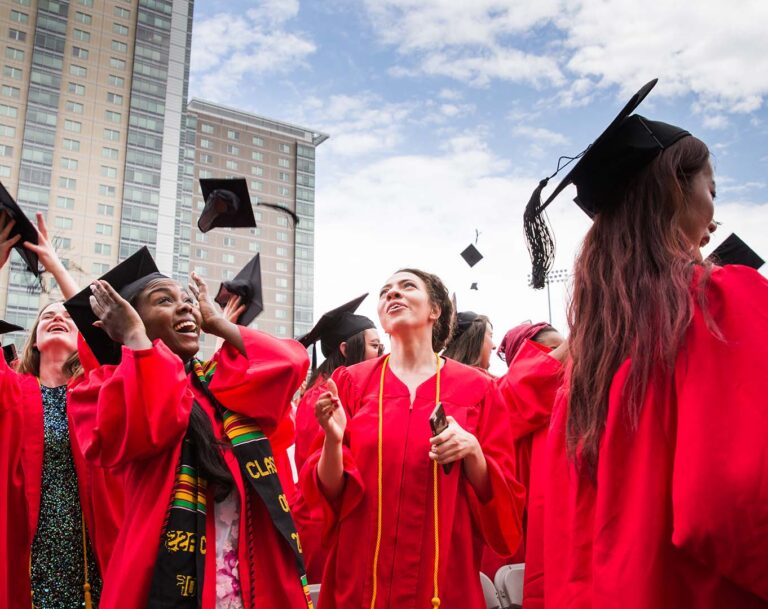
(194, 441)
(49, 548)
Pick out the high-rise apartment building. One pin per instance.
(92, 102)
(278, 161)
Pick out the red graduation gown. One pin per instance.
(134, 416)
(679, 515)
(309, 518)
(405, 570)
(21, 472)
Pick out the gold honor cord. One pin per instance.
(379, 470)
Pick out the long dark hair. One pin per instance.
(438, 295)
(467, 347)
(632, 295)
(355, 354)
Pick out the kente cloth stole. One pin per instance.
(253, 452)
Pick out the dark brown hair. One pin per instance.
(438, 295)
(632, 295)
(355, 354)
(467, 347)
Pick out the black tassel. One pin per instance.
(538, 236)
(314, 357)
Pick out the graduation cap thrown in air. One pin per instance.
(247, 285)
(23, 227)
(627, 145)
(227, 204)
(471, 255)
(6, 327)
(337, 326)
(734, 251)
(128, 278)
(473, 286)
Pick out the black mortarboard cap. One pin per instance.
(464, 320)
(9, 353)
(128, 278)
(247, 285)
(336, 326)
(734, 251)
(471, 255)
(6, 327)
(627, 145)
(23, 227)
(473, 286)
(227, 204)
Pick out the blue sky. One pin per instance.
(443, 115)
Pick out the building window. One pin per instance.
(19, 17)
(206, 158)
(229, 242)
(79, 53)
(11, 72)
(106, 190)
(282, 221)
(205, 174)
(73, 126)
(9, 111)
(207, 144)
(283, 191)
(118, 64)
(281, 267)
(76, 89)
(108, 172)
(99, 268)
(231, 165)
(111, 135)
(68, 183)
(109, 153)
(105, 210)
(103, 229)
(70, 164)
(233, 150)
(280, 251)
(62, 222)
(258, 141)
(83, 18)
(64, 243)
(116, 81)
(72, 145)
(256, 185)
(228, 258)
(74, 107)
(201, 270)
(88, 3)
(6, 150)
(7, 131)
(232, 134)
(14, 54)
(285, 163)
(253, 246)
(113, 117)
(257, 170)
(206, 128)
(9, 91)
(201, 237)
(119, 47)
(81, 35)
(257, 156)
(283, 176)
(201, 254)
(65, 203)
(281, 282)
(114, 98)
(284, 148)
(281, 297)
(105, 249)
(122, 13)
(76, 70)
(281, 314)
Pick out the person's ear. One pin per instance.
(435, 313)
(343, 349)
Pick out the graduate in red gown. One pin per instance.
(58, 515)
(471, 340)
(404, 532)
(206, 523)
(656, 494)
(345, 339)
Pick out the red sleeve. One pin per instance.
(720, 478)
(133, 410)
(528, 388)
(499, 519)
(260, 384)
(334, 512)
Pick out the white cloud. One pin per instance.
(228, 48)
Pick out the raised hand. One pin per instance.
(234, 309)
(117, 317)
(212, 321)
(50, 259)
(330, 414)
(6, 244)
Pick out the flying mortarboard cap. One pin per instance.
(22, 227)
(227, 204)
(473, 286)
(6, 327)
(627, 145)
(336, 326)
(471, 255)
(128, 278)
(9, 353)
(734, 251)
(247, 285)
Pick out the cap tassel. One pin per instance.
(541, 244)
(314, 357)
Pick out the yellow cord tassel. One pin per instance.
(88, 601)
(87, 584)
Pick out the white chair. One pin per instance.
(508, 582)
(314, 593)
(489, 592)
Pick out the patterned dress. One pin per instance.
(57, 550)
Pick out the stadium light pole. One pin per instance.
(553, 276)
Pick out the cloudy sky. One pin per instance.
(444, 114)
